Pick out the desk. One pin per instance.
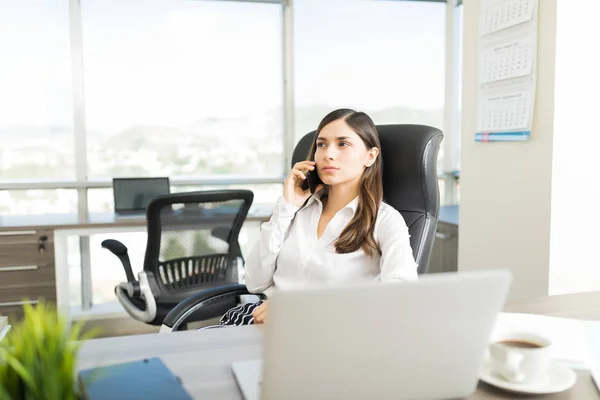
(202, 359)
(33, 254)
(577, 305)
(14, 223)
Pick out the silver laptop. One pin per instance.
(132, 195)
(413, 340)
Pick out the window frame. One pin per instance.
(82, 184)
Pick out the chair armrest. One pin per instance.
(177, 316)
(120, 250)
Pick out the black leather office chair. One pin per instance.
(410, 185)
(192, 246)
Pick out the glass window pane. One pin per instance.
(38, 201)
(183, 88)
(382, 57)
(36, 112)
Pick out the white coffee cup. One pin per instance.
(520, 357)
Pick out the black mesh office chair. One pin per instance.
(410, 185)
(192, 246)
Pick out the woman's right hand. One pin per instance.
(292, 190)
(260, 313)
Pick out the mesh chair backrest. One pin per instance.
(193, 238)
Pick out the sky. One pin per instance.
(170, 62)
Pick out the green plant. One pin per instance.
(38, 356)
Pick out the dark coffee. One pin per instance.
(522, 344)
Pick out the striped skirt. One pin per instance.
(240, 315)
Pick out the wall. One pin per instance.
(506, 187)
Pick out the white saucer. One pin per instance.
(559, 378)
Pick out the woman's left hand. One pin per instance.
(260, 312)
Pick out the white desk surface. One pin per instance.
(95, 220)
(202, 359)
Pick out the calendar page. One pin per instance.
(507, 60)
(509, 112)
(502, 14)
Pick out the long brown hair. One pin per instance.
(359, 233)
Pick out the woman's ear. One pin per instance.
(372, 156)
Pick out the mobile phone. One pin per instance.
(312, 181)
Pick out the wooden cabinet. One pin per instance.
(26, 269)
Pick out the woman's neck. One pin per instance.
(339, 196)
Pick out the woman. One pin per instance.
(342, 233)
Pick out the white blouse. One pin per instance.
(289, 255)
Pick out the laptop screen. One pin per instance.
(134, 194)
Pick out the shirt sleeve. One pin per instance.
(397, 261)
(261, 263)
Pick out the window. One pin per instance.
(382, 57)
(191, 89)
(35, 91)
(182, 88)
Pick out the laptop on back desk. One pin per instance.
(132, 195)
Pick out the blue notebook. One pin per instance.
(144, 379)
